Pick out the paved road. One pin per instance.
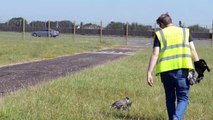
(23, 75)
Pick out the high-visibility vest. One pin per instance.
(175, 51)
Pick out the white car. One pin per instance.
(44, 33)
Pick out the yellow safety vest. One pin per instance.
(175, 51)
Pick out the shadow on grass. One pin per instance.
(136, 117)
(128, 116)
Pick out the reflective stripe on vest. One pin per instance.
(179, 52)
(173, 46)
(176, 45)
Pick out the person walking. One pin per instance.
(173, 55)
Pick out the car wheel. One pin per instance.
(34, 34)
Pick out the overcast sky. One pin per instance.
(190, 12)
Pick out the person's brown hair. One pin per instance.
(164, 19)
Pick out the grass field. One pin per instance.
(88, 95)
(13, 49)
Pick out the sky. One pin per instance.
(190, 12)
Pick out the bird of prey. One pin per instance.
(122, 104)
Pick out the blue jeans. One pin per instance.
(176, 86)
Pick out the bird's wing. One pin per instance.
(117, 103)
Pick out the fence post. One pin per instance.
(73, 31)
(23, 28)
(101, 31)
(212, 35)
(127, 29)
(48, 29)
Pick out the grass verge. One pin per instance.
(88, 95)
(16, 50)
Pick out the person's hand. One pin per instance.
(149, 79)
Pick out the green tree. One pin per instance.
(90, 26)
(65, 24)
(139, 27)
(16, 21)
(198, 29)
(115, 26)
(38, 24)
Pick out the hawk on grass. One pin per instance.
(122, 104)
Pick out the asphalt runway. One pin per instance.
(20, 76)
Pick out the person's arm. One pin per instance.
(193, 51)
(152, 63)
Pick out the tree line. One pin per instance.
(17, 23)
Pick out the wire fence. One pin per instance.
(98, 30)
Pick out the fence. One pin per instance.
(90, 30)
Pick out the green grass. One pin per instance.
(13, 49)
(88, 95)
